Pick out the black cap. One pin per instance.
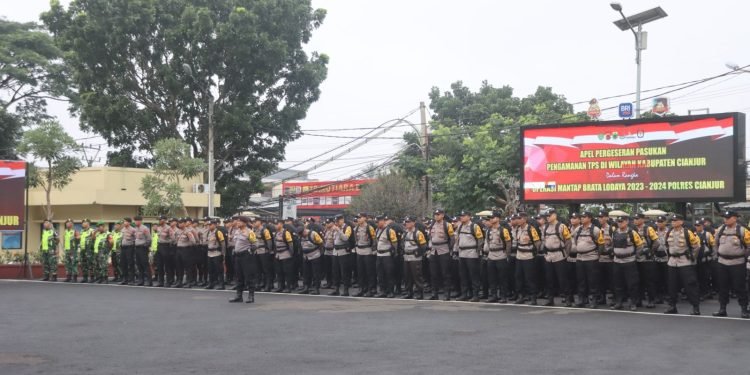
(362, 214)
(439, 212)
(289, 218)
(464, 213)
(698, 223)
(162, 217)
(515, 216)
(68, 221)
(339, 217)
(522, 214)
(497, 214)
(727, 214)
(550, 212)
(127, 220)
(623, 218)
(189, 219)
(538, 217)
(587, 214)
(381, 217)
(329, 220)
(138, 218)
(639, 216)
(661, 219)
(244, 219)
(182, 220)
(677, 217)
(575, 215)
(603, 214)
(410, 219)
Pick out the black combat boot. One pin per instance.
(550, 301)
(745, 314)
(519, 300)
(140, 283)
(617, 306)
(99, 280)
(46, 278)
(420, 295)
(361, 293)
(569, 301)
(304, 290)
(85, 279)
(68, 278)
(315, 291)
(334, 292)
(345, 293)
(533, 301)
(210, 286)
(672, 309)
(149, 282)
(75, 278)
(250, 297)
(54, 277)
(722, 311)
(696, 310)
(221, 287)
(409, 293)
(124, 282)
(237, 298)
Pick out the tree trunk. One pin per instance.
(48, 190)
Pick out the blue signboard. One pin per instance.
(626, 110)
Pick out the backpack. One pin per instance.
(353, 237)
(557, 231)
(689, 252)
(472, 229)
(591, 233)
(445, 230)
(740, 234)
(399, 233)
(422, 228)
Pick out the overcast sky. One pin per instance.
(387, 54)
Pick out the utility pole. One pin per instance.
(210, 156)
(425, 154)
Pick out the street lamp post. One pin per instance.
(207, 93)
(626, 23)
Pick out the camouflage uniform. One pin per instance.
(48, 252)
(101, 253)
(115, 253)
(70, 246)
(86, 254)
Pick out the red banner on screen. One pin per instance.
(12, 185)
(671, 159)
(324, 194)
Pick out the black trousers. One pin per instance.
(541, 276)
(587, 275)
(311, 271)
(605, 279)
(626, 282)
(245, 267)
(127, 262)
(216, 270)
(468, 271)
(497, 277)
(685, 277)
(441, 273)
(285, 273)
(413, 276)
(183, 259)
(141, 258)
(426, 276)
(556, 274)
(366, 271)
(511, 275)
(326, 267)
(572, 280)
(384, 266)
(526, 277)
(648, 282)
(705, 270)
(662, 279)
(484, 282)
(202, 262)
(455, 274)
(398, 271)
(191, 266)
(169, 257)
(266, 275)
(341, 268)
(160, 259)
(732, 277)
(229, 264)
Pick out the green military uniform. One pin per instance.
(115, 253)
(101, 253)
(86, 254)
(48, 251)
(70, 247)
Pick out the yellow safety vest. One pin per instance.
(46, 235)
(84, 238)
(116, 238)
(155, 242)
(69, 235)
(100, 237)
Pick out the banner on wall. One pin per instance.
(12, 187)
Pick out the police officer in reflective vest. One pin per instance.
(589, 244)
(102, 246)
(732, 242)
(48, 251)
(86, 251)
(557, 242)
(71, 237)
(626, 245)
(497, 251)
(682, 249)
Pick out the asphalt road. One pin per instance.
(105, 329)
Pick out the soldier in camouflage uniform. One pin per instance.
(115, 253)
(102, 245)
(86, 251)
(48, 251)
(71, 237)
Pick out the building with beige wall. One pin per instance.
(104, 193)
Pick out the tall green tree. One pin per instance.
(394, 194)
(474, 148)
(163, 189)
(50, 145)
(128, 62)
(30, 74)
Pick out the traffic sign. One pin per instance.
(626, 110)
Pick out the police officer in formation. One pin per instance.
(496, 259)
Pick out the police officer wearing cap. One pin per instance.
(682, 249)
(386, 242)
(645, 260)
(557, 242)
(441, 242)
(245, 262)
(185, 240)
(163, 244)
(469, 244)
(327, 262)
(342, 257)
(264, 254)
(529, 242)
(142, 242)
(127, 258)
(660, 260)
(588, 243)
(217, 247)
(606, 260)
(704, 262)
(415, 245)
(626, 245)
(731, 245)
(312, 251)
(575, 223)
(364, 234)
(497, 250)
